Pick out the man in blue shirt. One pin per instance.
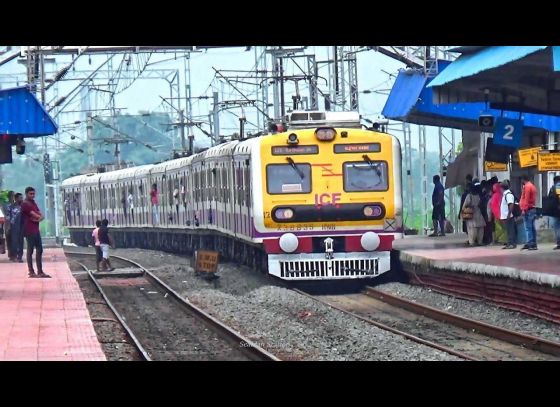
(438, 202)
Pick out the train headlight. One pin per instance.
(284, 213)
(289, 242)
(325, 133)
(292, 138)
(370, 241)
(372, 211)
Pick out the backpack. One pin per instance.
(516, 212)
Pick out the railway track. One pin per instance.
(459, 336)
(162, 324)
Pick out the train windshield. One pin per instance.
(288, 178)
(365, 176)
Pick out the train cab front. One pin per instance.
(331, 203)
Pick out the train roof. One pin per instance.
(301, 119)
(159, 168)
(220, 150)
(178, 163)
(125, 173)
(78, 180)
(245, 146)
(230, 148)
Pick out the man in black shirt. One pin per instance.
(438, 202)
(105, 240)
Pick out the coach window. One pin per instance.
(201, 184)
(223, 180)
(170, 190)
(228, 182)
(209, 184)
(288, 178)
(219, 183)
(197, 186)
(243, 183)
(361, 176)
(247, 186)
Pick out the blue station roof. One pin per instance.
(412, 100)
(524, 78)
(22, 115)
(486, 58)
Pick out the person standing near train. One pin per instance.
(155, 204)
(438, 212)
(130, 200)
(176, 201)
(97, 244)
(105, 242)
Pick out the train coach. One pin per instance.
(321, 200)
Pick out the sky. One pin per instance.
(376, 72)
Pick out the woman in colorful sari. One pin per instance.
(494, 214)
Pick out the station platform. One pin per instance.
(522, 280)
(44, 318)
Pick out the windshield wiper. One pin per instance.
(294, 166)
(374, 167)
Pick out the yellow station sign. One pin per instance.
(495, 167)
(528, 156)
(548, 161)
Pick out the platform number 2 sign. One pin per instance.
(508, 132)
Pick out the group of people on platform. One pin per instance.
(20, 218)
(489, 211)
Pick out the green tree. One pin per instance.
(413, 216)
(26, 170)
(148, 141)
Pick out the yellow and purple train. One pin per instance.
(321, 200)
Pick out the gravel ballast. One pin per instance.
(477, 310)
(288, 324)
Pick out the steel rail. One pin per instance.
(506, 335)
(248, 347)
(393, 330)
(135, 340)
